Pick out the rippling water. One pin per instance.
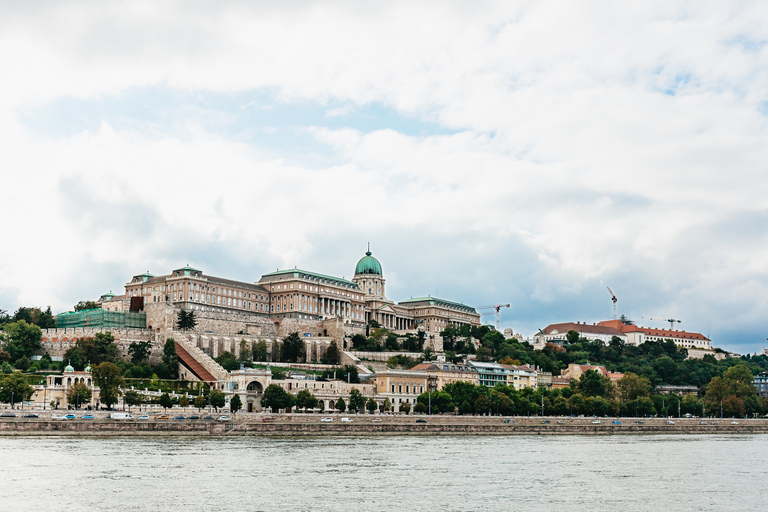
(569, 473)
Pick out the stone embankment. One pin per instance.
(363, 425)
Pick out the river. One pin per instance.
(522, 473)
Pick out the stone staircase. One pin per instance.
(199, 363)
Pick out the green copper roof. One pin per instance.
(368, 265)
(434, 301)
(305, 274)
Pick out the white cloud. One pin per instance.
(591, 142)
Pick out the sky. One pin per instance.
(530, 153)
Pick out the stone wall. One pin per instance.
(57, 341)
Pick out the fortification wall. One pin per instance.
(56, 342)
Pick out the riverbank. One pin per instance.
(364, 425)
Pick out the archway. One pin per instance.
(255, 387)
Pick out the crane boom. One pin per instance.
(614, 300)
(670, 320)
(497, 308)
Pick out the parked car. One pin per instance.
(595, 422)
(209, 418)
(86, 417)
(223, 418)
(734, 423)
(70, 416)
(421, 420)
(194, 417)
(58, 417)
(615, 422)
(326, 420)
(510, 421)
(7, 415)
(163, 417)
(560, 422)
(376, 420)
(545, 421)
(640, 422)
(702, 423)
(268, 419)
(670, 422)
(144, 417)
(32, 415)
(346, 420)
(179, 417)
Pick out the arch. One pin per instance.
(255, 386)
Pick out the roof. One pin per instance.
(230, 282)
(368, 265)
(650, 331)
(296, 271)
(434, 301)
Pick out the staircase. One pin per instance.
(199, 363)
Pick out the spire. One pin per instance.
(368, 253)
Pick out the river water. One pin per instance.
(462, 473)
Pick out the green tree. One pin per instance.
(166, 402)
(391, 342)
(186, 320)
(572, 337)
(405, 408)
(109, 378)
(275, 397)
(139, 351)
(228, 361)
(593, 383)
(86, 304)
(170, 358)
(359, 341)
(200, 402)
(632, 386)
(42, 319)
(79, 394)
(183, 401)
(106, 350)
(217, 399)
(341, 406)
(235, 404)
(305, 400)
(482, 404)
(386, 406)
(15, 388)
(356, 401)
(420, 408)
(465, 408)
(371, 405)
(260, 351)
(23, 339)
(293, 348)
(332, 354)
(132, 398)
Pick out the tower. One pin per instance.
(369, 277)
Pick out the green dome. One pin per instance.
(368, 265)
(69, 368)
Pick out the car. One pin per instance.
(58, 417)
(640, 422)
(615, 422)
(222, 418)
(194, 418)
(421, 420)
(670, 422)
(179, 417)
(86, 417)
(7, 415)
(326, 420)
(546, 421)
(560, 422)
(510, 421)
(209, 418)
(734, 423)
(714, 423)
(376, 420)
(70, 416)
(268, 419)
(33, 415)
(144, 417)
(595, 422)
(162, 417)
(347, 420)
(702, 423)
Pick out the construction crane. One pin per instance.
(614, 299)
(670, 320)
(497, 308)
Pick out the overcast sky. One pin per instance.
(529, 153)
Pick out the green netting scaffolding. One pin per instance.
(102, 318)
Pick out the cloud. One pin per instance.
(530, 153)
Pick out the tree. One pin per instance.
(275, 397)
(199, 402)
(78, 395)
(572, 337)
(15, 388)
(24, 339)
(235, 404)
(228, 361)
(166, 402)
(332, 354)
(170, 358)
(386, 406)
(217, 399)
(348, 374)
(482, 404)
(593, 383)
(183, 401)
(420, 408)
(132, 398)
(632, 386)
(341, 406)
(186, 320)
(109, 378)
(139, 351)
(260, 351)
(465, 408)
(359, 341)
(356, 400)
(305, 400)
(86, 304)
(371, 405)
(405, 408)
(42, 319)
(293, 348)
